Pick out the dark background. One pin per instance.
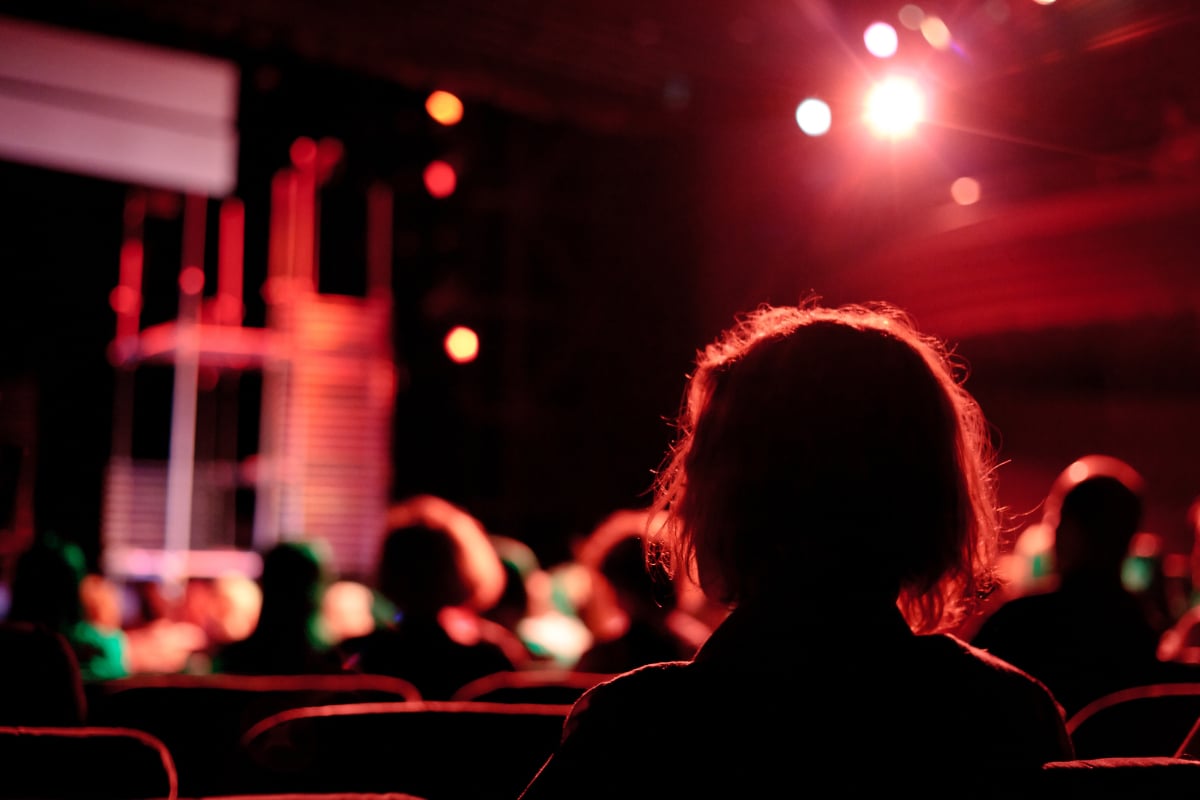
(631, 176)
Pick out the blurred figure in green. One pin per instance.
(46, 589)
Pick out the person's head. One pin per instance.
(435, 555)
(624, 586)
(833, 451)
(295, 575)
(46, 583)
(1095, 507)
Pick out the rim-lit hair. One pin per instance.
(832, 451)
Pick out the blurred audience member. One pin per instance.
(349, 610)
(513, 608)
(632, 610)
(553, 629)
(289, 637)
(440, 572)
(225, 609)
(832, 484)
(1088, 634)
(48, 589)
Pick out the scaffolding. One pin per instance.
(323, 467)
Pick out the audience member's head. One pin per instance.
(295, 575)
(437, 555)
(1095, 508)
(623, 585)
(46, 583)
(820, 445)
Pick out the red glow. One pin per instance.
(462, 345)
(191, 280)
(304, 153)
(329, 154)
(124, 300)
(965, 191)
(440, 179)
(229, 270)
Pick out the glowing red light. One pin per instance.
(191, 280)
(124, 300)
(330, 152)
(440, 179)
(303, 152)
(462, 344)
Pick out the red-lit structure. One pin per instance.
(323, 466)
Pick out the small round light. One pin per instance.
(461, 344)
(814, 116)
(444, 107)
(881, 40)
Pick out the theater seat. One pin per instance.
(84, 763)
(439, 750)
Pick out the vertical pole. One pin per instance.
(181, 461)
(230, 307)
(281, 257)
(126, 301)
(230, 268)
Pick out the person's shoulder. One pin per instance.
(1020, 615)
(626, 695)
(980, 667)
(650, 680)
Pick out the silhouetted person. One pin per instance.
(439, 572)
(46, 590)
(289, 637)
(513, 608)
(831, 483)
(1088, 634)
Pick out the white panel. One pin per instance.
(77, 141)
(118, 110)
(117, 69)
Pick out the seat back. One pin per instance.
(1148, 778)
(324, 796)
(531, 686)
(1143, 721)
(201, 718)
(40, 680)
(440, 750)
(84, 763)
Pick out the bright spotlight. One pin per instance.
(814, 117)
(881, 40)
(894, 107)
